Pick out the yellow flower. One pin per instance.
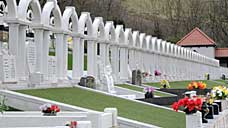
(226, 92)
(195, 85)
(211, 101)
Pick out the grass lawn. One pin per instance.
(222, 81)
(183, 84)
(96, 101)
(141, 90)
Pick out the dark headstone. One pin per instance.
(219, 105)
(137, 77)
(210, 115)
(204, 112)
(82, 81)
(216, 109)
(223, 77)
(88, 81)
(208, 76)
(134, 77)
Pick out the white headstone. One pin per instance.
(194, 120)
(31, 55)
(8, 68)
(52, 68)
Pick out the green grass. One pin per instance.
(128, 109)
(183, 84)
(141, 90)
(221, 81)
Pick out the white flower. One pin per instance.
(45, 107)
(220, 94)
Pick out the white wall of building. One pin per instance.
(207, 51)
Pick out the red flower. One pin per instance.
(55, 108)
(73, 124)
(191, 105)
(198, 103)
(175, 106)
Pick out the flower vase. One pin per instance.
(194, 120)
(187, 112)
(210, 115)
(222, 104)
(149, 95)
(164, 86)
(49, 114)
(204, 112)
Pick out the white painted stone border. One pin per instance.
(17, 96)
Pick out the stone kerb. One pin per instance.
(41, 121)
(31, 103)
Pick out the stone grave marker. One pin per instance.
(52, 68)
(8, 69)
(31, 55)
(137, 77)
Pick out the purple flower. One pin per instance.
(149, 89)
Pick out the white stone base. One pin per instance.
(194, 120)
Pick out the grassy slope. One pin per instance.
(183, 84)
(126, 108)
(141, 90)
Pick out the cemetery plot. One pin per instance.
(96, 101)
(183, 84)
(139, 89)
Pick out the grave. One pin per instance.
(8, 69)
(31, 55)
(137, 77)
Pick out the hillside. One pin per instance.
(166, 19)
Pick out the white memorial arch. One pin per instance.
(122, 48)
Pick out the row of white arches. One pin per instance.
(129, 49)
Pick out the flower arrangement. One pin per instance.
(209, 99)
(145, 74)
(72, 124)
(190, 105)
(196, 85)
(164, 84)
(149, 92)
(49, 109)
(219, 92)
(157, 73)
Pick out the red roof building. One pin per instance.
(196, 38)
(221, 52)
(199, 42)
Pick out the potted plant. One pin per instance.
(220, 93)
(145, 74)
(72, 124)
(209, 100)
(189, 105)
(157, 73)
(149, 92)
(49, 110)
(164, 84)
(196, 85)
